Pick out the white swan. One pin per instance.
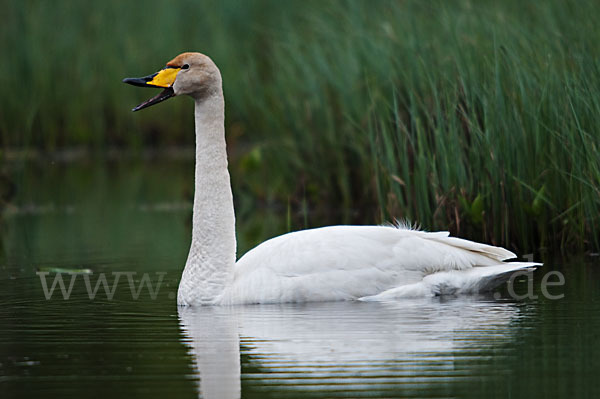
(326, 264)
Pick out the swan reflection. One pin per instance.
(341, 345)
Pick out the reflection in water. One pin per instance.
(214, 339)
(368, 347)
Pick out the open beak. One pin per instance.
(164, 78)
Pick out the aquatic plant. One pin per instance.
(479, 116)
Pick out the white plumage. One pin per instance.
(365, 262)
(327, 264)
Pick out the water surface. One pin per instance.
(133, 217)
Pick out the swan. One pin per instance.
(335, 263)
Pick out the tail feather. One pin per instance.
(470, 281)
(477, 279)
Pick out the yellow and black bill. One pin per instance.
(163, 78)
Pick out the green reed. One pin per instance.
(477, 116)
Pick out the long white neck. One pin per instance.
(209, 267)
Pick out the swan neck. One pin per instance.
(209, 267)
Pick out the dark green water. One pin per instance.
(133, 217)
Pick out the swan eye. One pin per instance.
(185, 66)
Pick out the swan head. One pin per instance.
(192, 74)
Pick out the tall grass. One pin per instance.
(478, 116)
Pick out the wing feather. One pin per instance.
(348, 262)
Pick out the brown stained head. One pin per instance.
(198, 77)
(190, 58)
(178, 61)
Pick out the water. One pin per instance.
(133, 217)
